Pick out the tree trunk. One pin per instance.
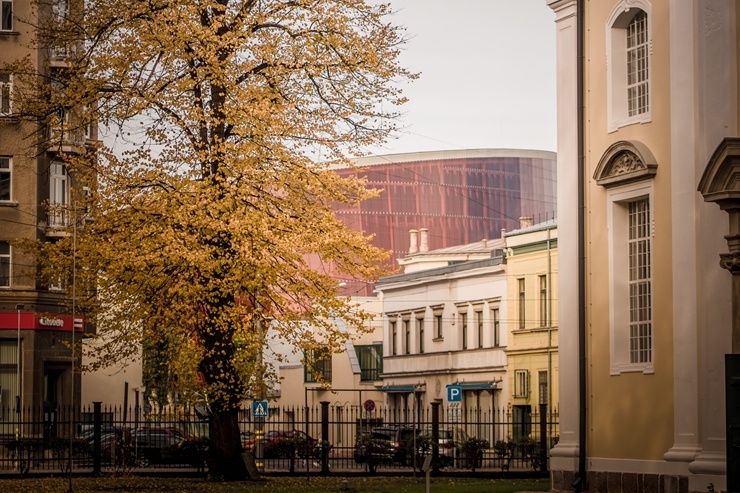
(224, 458)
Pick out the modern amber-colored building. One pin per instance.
(648, 125)
(459, 197)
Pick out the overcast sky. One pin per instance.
(487, 75)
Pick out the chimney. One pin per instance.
(412, 242)
(525, 222)
(424, 245)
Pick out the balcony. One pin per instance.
(66, 140)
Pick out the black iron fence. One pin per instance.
(314, 440)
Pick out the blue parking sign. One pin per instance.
(259, 409)
(454, 393)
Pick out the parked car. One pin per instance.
(373, 448)
(399, 442)
(285, 443)
(447, 448)
(167, 445)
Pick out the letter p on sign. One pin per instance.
(454, 393)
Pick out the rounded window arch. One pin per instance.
(629, 49)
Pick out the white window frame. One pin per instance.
(617, 64)
(521, 383)
(6, 27)
(6, 168)
(6, 94)
(58, 195)
(6, 258)
(618, 200)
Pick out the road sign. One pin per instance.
(369, 405)
(454, 393)
(259, 409)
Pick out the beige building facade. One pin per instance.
(647, 90)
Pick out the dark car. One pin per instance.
(287, 443)
(399, 442)
(156, 445)
(374, 448)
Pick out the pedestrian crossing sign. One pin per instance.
(259, 409)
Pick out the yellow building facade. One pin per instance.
(532, 352)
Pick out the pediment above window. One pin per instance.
(720, 181)
(626, 161)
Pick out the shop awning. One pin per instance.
(475, 385)
(401, 389)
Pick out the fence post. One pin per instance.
(324, 438)
(97, 422)
(435, 438)
(544, 452)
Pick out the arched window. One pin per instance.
(626, 170)
(629, 46)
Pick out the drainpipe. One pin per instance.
(580, 482)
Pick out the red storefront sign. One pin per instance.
(41, 321)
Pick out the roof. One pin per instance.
(453, 154)
(549, 224)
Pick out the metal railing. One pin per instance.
(314, 439)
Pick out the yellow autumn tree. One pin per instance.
(203, 223)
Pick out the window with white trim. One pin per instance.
(521, 383)
(58, 195)
(5, 178)
(6, 15)
(630, 265)
(5, 264)
(628, 47)
(637, 65)
(6, 94)
(640, 282)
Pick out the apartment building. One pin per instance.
(36, 194)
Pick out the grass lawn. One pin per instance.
(272, 485)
